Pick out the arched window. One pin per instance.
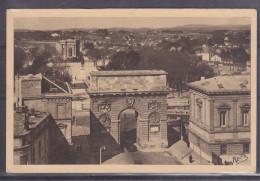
(245, 108)
(224, 114)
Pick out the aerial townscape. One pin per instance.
(147, 96)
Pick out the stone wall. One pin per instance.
(207, 148)
(51, 106)
(127, 82)
(144, 105)
(36, 144)
(31, 88)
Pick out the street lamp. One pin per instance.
(100, 153)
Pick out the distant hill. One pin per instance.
(196, 27)
(190, 27)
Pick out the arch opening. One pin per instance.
(128, 126)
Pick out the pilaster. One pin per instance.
(235, 114)
(211, 126)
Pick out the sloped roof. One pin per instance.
(63, 86)
(19, 121)
(128, 72)
(233, 84)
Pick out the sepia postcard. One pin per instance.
(131, 91)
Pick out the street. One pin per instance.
(147, 158)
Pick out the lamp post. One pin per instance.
(100, 153)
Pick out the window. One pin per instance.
(246, 148)
(223, 118)
(223, 111)
(245, 114)
(245, 117)
(70, 52)
(223, 149)
(199, 106)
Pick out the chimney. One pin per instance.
(202, 78)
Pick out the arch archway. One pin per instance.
(113, 92)
(127, 127)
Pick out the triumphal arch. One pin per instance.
(144, 91)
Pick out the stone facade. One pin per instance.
(150, 104)
(40, 143)
(220, 121)
(69, 48)
(29, 92)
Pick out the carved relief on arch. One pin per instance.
(154, 118)
(104, 107)
(105, 120)
(130, 101)
(154, 105)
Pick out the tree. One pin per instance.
(217, 37)
(133, 58)
(58, 71)
(19, 60)
(89, 46)
(40, 62)
(182, 68)
(97, 54)
(124, 61)
(118, 61)
(239, 55)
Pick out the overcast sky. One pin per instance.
(46, 23)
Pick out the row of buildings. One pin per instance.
(216, 114)
(42, 120)
(220, 112)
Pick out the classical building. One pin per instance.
(69, 48)
(40, 93)
(220, 117)
(37, 139)
(178, 109)
(144, 91)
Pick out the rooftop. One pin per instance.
(233, 84)
(68, 40)
(52, 82)
(128, 72)
(19, 122)
(31, 77)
